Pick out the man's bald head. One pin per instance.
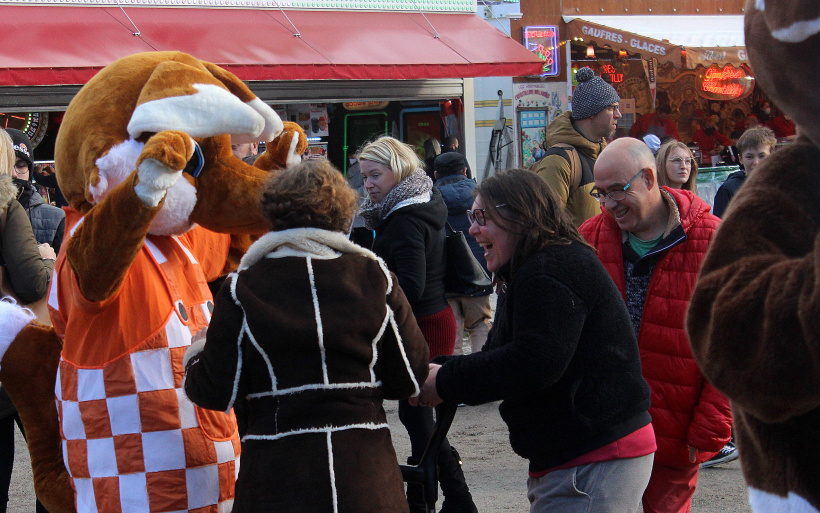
(628, 165)
(627, 149)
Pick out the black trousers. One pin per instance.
(7, 459)
(418, 420)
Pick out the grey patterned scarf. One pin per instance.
(416, 185)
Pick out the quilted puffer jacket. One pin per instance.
(686, 409)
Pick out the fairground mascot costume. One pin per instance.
(144, 158)
(754, 319)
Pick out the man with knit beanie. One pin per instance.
(574, 140)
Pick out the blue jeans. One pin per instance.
(614, 486)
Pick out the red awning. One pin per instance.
(62, 45)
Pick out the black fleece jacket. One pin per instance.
(561, 355)
(411, 242)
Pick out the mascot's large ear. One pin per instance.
(273, 124)
(181, 97)
(791, 21)
(285, 150)
(782, 39)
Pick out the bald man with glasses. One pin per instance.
(652, 240)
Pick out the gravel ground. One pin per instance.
(496, 475)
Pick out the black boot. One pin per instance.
(457, 498)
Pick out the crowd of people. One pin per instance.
(594, 254)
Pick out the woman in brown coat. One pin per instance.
(314, 332)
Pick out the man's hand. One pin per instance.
(693, 454)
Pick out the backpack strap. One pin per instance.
(580, 164)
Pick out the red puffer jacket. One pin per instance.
(685, 408)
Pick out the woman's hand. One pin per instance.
(47, 252)
(196, 347)
(428, 395)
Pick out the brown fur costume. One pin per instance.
(754, 319)
(124, 139)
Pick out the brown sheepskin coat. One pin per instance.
(314, 332)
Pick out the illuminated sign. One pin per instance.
(614, 76)
(542, 40)
(727, 83)
(365, 105)
(33, 124)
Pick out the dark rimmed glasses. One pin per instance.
(476, 215)
(619, 195)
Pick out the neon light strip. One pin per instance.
(374, 5)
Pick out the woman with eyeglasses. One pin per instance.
(561, 356)
(408, 216)
(677, 166)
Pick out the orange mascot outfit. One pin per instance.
(144, 158)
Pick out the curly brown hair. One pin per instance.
(312, 194)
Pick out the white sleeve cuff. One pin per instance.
(12, 320)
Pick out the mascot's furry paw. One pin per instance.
(29, 357)
(160, 164)
(285, 150)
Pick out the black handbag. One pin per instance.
(464, 276)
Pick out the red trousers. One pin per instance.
(439, 331)
(670, 490)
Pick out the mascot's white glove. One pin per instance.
(160, 165)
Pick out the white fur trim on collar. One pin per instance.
(12, 320)
(307, 242)
(211, 111)
(421, 198)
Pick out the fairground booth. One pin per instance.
(346, 70)
(683, 57)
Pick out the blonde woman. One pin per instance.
(677, 166)
(28, 270)
(408, 216)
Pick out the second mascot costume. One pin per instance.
(144, 158)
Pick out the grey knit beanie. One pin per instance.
(592, 94)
